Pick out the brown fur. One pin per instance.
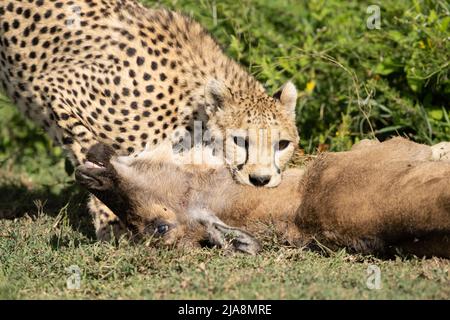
(369, 200)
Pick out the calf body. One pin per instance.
(370, 200)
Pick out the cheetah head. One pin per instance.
(258, 134)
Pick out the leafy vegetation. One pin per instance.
(354, 82)
(36, 255)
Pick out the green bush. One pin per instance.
(354, 82)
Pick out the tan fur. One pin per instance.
(369, 200)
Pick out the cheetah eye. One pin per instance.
(282, 144)
(240, 141)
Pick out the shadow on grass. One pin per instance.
(18, 200)
(57, 242)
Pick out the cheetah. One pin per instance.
(119, 73)
(371, 200)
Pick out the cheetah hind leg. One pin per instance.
(107, 224)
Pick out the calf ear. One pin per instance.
(223, 235)
(97, 173)
(287, 95)
(95, 178)
(228, 237)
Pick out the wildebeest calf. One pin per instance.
(371, 200)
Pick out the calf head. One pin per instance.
(150, 193)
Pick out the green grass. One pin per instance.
(353, 83)
(37, 252)
(52, 232)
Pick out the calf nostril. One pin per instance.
(259, 181)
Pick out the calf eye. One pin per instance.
(282, 144)
(162, 229)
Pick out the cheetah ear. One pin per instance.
(287, 95)
(218, 93)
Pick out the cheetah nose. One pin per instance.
(259, 181)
